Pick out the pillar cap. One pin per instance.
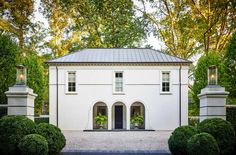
(213, 90)
(21, 90)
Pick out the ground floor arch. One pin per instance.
(137, 116)
(100, 112)
(119, 116)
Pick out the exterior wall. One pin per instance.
(95, 84)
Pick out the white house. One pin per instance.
(118, 83)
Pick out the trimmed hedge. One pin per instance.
(3, 111)
(222, 131)
(33, 144)
(202, 144)
(231, 115)
(56, 140)
(38, 120)
(12, 130)
(179, 138)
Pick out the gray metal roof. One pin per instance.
(118, 55)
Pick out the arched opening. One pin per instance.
(118, 116)
(137, 116)
(100, 116)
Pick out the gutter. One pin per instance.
(180, 95)
(57, 95)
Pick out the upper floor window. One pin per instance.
(165, 82)
(118, 81)
(71, 82)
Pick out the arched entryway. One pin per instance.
(137, 116)
(118, 116)
(100, 116)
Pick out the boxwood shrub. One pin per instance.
(179, 138)
(202, 144)
(55, 138)
(38, 120)
(33, 144)
(12, 129)
(222, 131)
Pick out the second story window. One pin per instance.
(71, 82)
(165, 82)
(118, 81)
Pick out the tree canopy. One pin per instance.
(9, 52)
(230, 67)
(200, 73)
(78, 24)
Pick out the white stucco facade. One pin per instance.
(95, 84)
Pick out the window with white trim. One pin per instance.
(71, 82)
(165, 82)
(118, 81)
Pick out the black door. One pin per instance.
(119, 117)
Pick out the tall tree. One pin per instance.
(191, 26)
(15, 17)
(36, 80)
(216, 21)
(117, 24)
(9, 52)
(77, 24)
(230, 68)
(200, 73)
(173, 24)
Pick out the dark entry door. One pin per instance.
(119, 117)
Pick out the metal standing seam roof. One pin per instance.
(118, 55)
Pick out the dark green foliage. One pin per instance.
(36, 80)
(56, 140)
(12, 130)
(3, 111)
(202, 144)
(230, 67)
(222, 131)
(8, 60)
(231, 116)
(33, 144)
(179, 138)
(200, 73)
(38, 120)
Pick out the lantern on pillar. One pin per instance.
(20, 75)
(212, 75)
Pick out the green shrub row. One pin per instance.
(231, 116)
(38, 120)
(210, 137)
(20, 134)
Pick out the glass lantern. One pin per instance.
(20, 75)
(212, 75)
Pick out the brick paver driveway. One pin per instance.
(124, 140)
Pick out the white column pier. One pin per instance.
(212, 102)
(20, 100)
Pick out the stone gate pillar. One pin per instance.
(212, 102)
(21, 101)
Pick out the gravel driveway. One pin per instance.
(125, 140)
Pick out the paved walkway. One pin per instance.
(124, 140)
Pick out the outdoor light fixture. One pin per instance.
(20, 75)
(212, 75)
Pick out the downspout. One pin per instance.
(57, 94)
(180, 94)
